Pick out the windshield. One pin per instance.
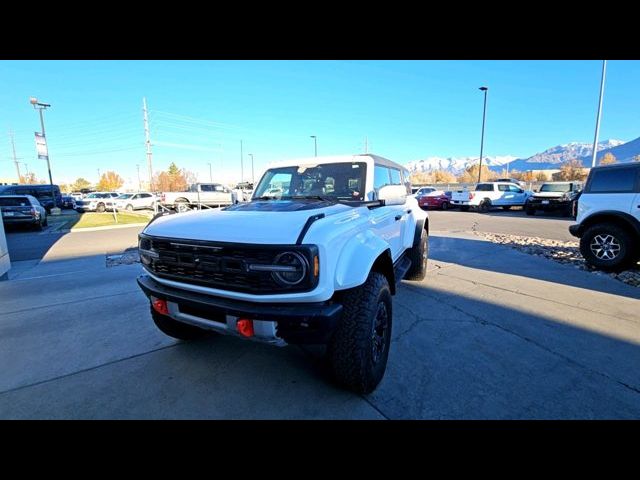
(338, 181)
(556, 187)
(124, 196)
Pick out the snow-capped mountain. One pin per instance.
(455, 165)
(551, 158)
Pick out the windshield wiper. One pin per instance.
(266, 197)
(313, 197)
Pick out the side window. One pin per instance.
(380, 176)
(218, 188)
(614, 180)
(395, 176)
(514, 189)
(504, 188)
(145, 195)
(135, 197)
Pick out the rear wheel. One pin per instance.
(129, 208)
(607, 247)
(175, 329)
(100, 208)
(445, 206)
(485, 206)
(359, 349)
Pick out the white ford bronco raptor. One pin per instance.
(313, 258)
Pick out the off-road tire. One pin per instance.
(100, 208)
(529, 210)
(175, 329)
(625, 253)
(418, 256)
(351, 349)
(484, 206)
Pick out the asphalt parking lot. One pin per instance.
(491, 333)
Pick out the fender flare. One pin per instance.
(357, 259)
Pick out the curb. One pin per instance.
(107, 227)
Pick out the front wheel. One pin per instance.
(182, 207)
(607, 247)
(485, 206)
(418, 256)
(445, 206)
(129, 208)
(100, 208)
(359, 348)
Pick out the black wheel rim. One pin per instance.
(380, 332)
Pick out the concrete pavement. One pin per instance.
(490, 333)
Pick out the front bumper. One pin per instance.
(299, 323)
(550, 205)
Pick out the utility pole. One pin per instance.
(210, 174)
(595, 138)
(147, 137)
(484, 113)
(138, 168)
(241, 164)
(15, 159)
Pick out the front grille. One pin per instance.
(218, 265)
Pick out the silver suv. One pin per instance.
(608, 220)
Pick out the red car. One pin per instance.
(435, 200)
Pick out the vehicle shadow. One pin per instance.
(520, 213)
(492, 257)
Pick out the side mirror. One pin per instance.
(393, 194)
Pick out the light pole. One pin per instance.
(138, 168)
(210, 174)
(41, 106)
(315, 144)
(484, 113)
(252, 178)
(595, 138)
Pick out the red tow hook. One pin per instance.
(245, 327)
(160, 306)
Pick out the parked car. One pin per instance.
(423, 191)
(320, 266)
(608, 220)
(512, 180)
(41, 192)
(491, 194)
(95, 202)
(209, 194)
(436, 199)
(243, 192)
(23, 210)
(68, 202)
(554, 196)
(132, 201)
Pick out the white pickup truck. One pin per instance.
(210, 194)
(491, 194)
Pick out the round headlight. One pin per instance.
(296, 271)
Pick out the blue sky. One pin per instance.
(200, 110)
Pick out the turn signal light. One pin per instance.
(245, 327)
(160, 306)
(316, 266)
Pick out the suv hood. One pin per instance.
(239, 225)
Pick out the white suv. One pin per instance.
(133, 201)
(608, 220)
(314, 258)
